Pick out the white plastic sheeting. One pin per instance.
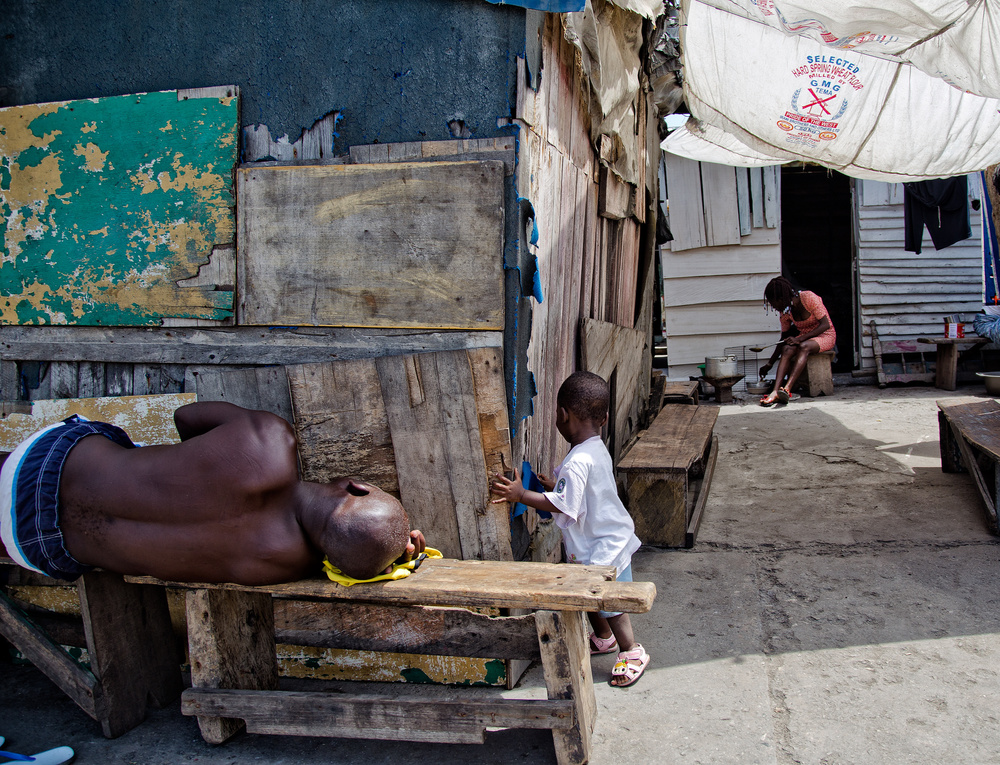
(802, 81)
(609, 39)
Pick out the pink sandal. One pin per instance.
(629, 667)
(599, 645)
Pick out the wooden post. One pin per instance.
(231, 643)
(562, 639)
(951, 457)
(947, 366)
(133, 651)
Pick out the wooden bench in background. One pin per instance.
(667, 473)
(946, 371)
(234, 673)
(970, 442)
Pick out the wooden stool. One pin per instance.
(818, 375)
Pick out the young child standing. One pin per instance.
(595, 525)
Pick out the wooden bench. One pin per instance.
(970, 442)
(667, 473)
(817, 378)
(902, 361)
(234, 673)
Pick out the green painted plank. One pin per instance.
(107, 203)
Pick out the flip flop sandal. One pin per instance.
(630, 666)
(765, 402)
(783, 396)
(55, 756)
(599, 645)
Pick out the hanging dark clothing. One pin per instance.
(942, 204)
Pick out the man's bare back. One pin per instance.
(225, 504)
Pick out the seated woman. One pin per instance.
(805, 329)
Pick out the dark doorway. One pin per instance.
(817, 248)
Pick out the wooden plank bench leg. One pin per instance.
(133, 651)
(986, 492)
(562, 639)
(951, 456)
(231, 645)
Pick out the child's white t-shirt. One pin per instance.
(596, 527)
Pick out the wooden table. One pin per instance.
(946, 374)
(667, 474)
(234, 674)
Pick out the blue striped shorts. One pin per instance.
(29, 496)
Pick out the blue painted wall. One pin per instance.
(398, 70)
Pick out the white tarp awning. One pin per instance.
(861, 89)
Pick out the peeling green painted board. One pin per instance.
(107, 203)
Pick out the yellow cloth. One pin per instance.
(399, 570)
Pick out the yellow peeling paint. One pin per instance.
(88, 127)
(371, 666)
(166, 128)
(144, 180)
(227, 140)
(95, 158)
(59, 599)
(16, 135)
(36, 294)
(226, 100)
(31, 186)
(190, 177)
(101, 231)
(147, 419)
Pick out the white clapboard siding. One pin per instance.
(908, 294)
(713, 296)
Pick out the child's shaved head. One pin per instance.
(586, 395)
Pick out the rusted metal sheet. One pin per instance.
(107, 205)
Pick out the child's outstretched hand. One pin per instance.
(507, 489)
(547, 482)
(415, 547)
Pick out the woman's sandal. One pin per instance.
(599, 645)
(629, 667)
(769, 400)
(784, 396)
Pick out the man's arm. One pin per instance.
(195, 419)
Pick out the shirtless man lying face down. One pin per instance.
(224, 505)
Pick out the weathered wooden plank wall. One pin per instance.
(714, 274)
(111, 205)
(591, 238)
(908, 294)
(372, 245)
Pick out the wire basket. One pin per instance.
(747, 364)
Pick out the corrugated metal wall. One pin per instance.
(907, 294)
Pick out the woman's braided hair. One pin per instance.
(779, 292)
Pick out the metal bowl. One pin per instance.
(992, 380)
(759, 389)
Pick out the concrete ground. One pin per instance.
(841, 605)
